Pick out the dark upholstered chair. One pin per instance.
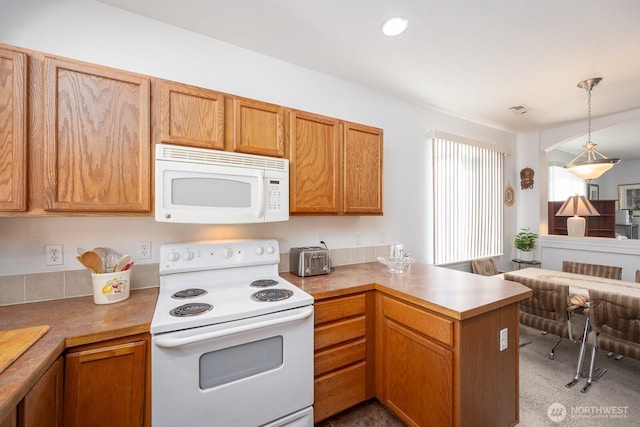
(484, 266)
(615, 327)
(605, 271)
(548, 310)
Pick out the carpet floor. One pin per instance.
(614, 400)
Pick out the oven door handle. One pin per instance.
(169, 342)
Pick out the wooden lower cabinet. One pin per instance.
(42, 406)
(10, 420)
(108, 384)
(343, 343)
(432, 370)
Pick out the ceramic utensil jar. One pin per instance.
(109, 288)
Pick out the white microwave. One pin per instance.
(197, 185)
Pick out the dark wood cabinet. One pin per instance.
(108, 383)
(42, 406)
(597, 226)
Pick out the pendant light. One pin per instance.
(595, 163)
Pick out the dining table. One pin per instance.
(579, 283)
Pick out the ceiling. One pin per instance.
(469, 58)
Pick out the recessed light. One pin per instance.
(394, 26)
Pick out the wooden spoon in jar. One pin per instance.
(92, 260)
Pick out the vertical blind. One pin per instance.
(467, 202)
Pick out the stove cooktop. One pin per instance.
(221, 282)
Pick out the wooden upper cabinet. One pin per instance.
(314, 154)
(13, 130)
(191, 116)
(258, 127)
(97, 139)
(362, 170)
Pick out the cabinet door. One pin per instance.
(42, 406)
(416, 371)
(97, 147)
(314, 147)
(10, 420)
(362, 170)
(105, 386)
(13, 130)
(191, 116)
(258, 127)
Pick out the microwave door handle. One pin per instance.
(260, 212)
(168, 342)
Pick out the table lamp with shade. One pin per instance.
(576, 207)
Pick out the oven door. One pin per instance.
(242, 373)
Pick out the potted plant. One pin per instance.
(525, 242)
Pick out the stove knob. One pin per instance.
(173, 256)
(227, 253)
(259, 250)
(188, 255)
(270, 249)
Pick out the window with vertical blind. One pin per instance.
(467, 200)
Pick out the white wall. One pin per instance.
(594, 250)
(97, 33)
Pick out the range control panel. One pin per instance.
(217, 254)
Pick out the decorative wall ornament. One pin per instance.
(526, 178)
(509, 195)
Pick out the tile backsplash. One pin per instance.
(24, 288)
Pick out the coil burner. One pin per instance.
(191, 309)
(264, 283)
(189, 293)
(269, 295)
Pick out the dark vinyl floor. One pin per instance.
(367, 414)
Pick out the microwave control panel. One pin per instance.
(275, 194)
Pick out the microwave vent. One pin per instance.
(224, 158)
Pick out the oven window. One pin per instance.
(210, 192)
(242, 361)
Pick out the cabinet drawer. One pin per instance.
(426, 323)
(339, 390)
(330, 310)
(337, 332)
(338, 357)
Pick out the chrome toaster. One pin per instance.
(310, 261)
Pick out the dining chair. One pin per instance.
(597, 270)
(484, 267)
(614, 322)
(549, 310)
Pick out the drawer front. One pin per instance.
(338, 391)
(338, 357)
(428, 324)
(337, 332)
(335, 309)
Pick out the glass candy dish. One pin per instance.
(396, 264)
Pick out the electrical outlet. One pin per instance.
(504, 339)
(143, 250)
(54, 255)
